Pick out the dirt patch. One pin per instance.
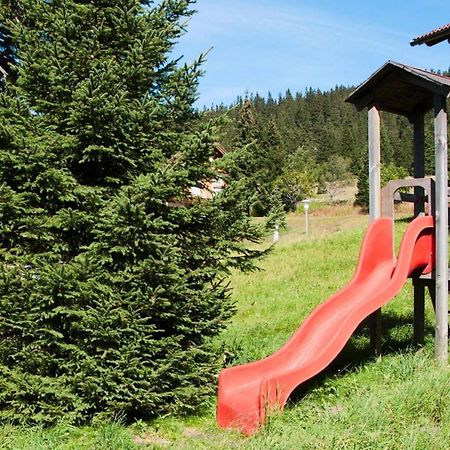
(192, 432)
(151, 439)
(344, 194)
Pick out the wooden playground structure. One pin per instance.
(412, 92)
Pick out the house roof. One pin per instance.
(433, 37)
(400, 89)
(220, 149)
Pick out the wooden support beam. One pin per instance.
(441, 224)
(419, 159)
(419, 207)
(419, 314)
(375, 332)
(374, 208)
(374, 164)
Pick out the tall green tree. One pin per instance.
(109, 293)
(255, 162)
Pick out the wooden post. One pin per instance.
(419, 159)
(374, 164)
(441, 224)
(419, 207)
(374, 208)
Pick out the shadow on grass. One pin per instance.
(397, 337)
(406, 219)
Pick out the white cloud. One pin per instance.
(310, 26)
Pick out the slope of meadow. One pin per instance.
(400, 400)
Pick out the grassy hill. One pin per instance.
(401, 400)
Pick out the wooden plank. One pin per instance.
(405, 197)
(374, 93)
(441, 223)
(374, 164)
(389, 193)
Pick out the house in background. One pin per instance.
(206, 189)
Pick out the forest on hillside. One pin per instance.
(305, 142)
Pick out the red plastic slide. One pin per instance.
(248, 392)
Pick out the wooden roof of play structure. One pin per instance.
(400, 89)
(433, 37)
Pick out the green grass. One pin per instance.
(109, 436)
(401, 400)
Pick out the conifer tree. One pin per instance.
(109, 293)
(253, 162)
(362, 196)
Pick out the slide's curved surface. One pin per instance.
(247, 392)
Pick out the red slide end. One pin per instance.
(248, 392)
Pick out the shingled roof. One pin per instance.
(400, 89)
(433, 37)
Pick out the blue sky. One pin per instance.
(273, 45)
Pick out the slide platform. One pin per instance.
(248, 392)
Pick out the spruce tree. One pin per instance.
(112, 278)
(253, 163)
(362, 172)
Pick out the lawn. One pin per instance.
(400, 400)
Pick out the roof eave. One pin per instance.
(378, 89)
(432, 38)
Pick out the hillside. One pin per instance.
(301, 143)
(397, 401)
